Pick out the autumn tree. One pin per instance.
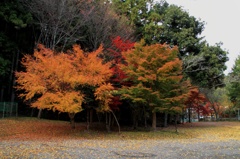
(162, 23)
(215, 99)
(53, 80)
(203, 63)
(195, 101)
(114, 54)
(156, 75)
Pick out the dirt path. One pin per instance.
(75, 149)
(53, 140)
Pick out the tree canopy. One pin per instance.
(52, 80)
(156, 73)
(151, 76)
(234, 84)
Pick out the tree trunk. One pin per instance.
(189, 115)
(145, 116)
(176, 128)
(134, 117)
(99, 116)
(116, 121)
(14, 79)
(91, 116)
(88, 124)
(165, 119)
(11, 76)
(2, 92)
(72, 122)
(32, 112)
(198, 113)
(215, 112)
(107, 123)
(154, 121)
(217, 117)
(183, 115)
(39, 113)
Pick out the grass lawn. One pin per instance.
(23, 128)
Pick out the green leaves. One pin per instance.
(13, 13)
(211, 68)
(233, 86)
(4, 66)
(156, 73)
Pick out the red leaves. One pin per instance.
(119, 46)
(122, 45)
(197, 101)
(118, 79)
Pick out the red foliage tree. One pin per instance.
(196, 102)
(115, 54)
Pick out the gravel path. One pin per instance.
(93, 149)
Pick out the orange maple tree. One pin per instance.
(54, 79)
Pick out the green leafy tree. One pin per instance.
(234, 84)
(156, 74)
(174, 27)
(209, 73)
(15, 37)
(170, 24)
(136, 12)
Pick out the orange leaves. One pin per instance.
(151, 63)
(89, 67)
(31, 83)
(195, 97)
(156, 72)
(55, 77)
(104, 94)
(170, 66)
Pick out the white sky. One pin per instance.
(222, 18)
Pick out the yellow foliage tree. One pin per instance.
(53, 78)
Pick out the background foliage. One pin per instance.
(117, 25)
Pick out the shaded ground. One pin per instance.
(24, 138)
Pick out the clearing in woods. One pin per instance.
(32, 138)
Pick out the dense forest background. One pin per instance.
(162, 68)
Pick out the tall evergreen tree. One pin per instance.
(15, 37)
